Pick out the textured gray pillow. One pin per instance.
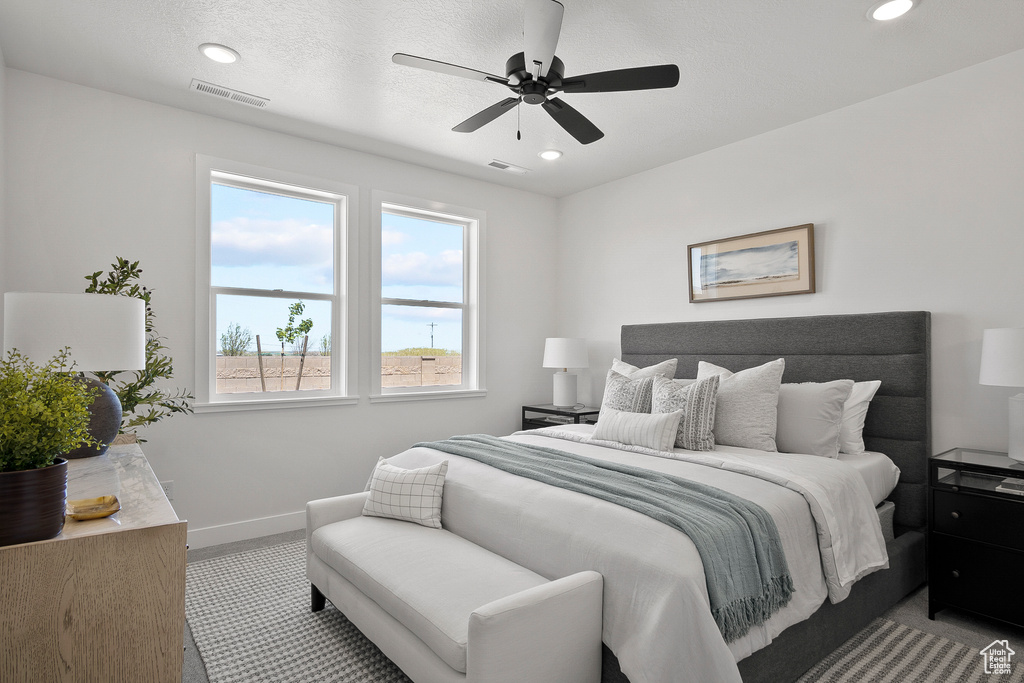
(408, 495)
(665, 367)
(697, 402)
(630, 395)
(810, 415)
(638, 429)
(745, 412)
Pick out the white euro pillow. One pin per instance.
(746, 408)
(665, 367)
(851, 433)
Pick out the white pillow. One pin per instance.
(746, 409)
(630, 395)
(697, 402)
(851, 432)
(408, 495)
(810, 414)
(638, 429)
(665, 367)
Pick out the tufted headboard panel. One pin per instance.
(893, 347)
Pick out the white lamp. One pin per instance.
(565, 353)
(103, 331)
(1002, 365)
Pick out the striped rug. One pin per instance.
(250, 617)
(888, 652)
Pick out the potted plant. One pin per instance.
(142, 401)
(44, 413)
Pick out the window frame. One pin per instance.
(473, 367)
(210, 170)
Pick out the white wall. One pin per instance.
(3, 194)
(917, 198)
(94, 175)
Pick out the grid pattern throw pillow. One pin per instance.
(408, 495)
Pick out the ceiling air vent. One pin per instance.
(505, 166)
(229, 94)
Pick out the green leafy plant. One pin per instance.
(142, 402)
(325, 345)
(236, 340)
(291, 332)
(44, 411)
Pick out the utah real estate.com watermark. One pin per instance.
(997, 656)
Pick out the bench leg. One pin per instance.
(317, 600)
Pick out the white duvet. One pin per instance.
(657, 618)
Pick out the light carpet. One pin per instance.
(249, 614)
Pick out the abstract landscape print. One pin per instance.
(770, 263)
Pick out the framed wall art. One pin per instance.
(769, 263)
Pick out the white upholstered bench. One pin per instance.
(445, 609)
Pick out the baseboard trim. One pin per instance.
(242, 531)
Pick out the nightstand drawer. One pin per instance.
(1000, 522)
(976, 577)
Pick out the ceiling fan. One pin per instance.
(536, 75)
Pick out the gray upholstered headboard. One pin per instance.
(891, 347)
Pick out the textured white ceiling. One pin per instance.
(747, 66)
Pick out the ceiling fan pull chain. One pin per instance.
(519, 121)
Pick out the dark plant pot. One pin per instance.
(32, 503)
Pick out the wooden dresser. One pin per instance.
(105, 600)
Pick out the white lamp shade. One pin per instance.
(103, 331)
(1002, 357)
(565, 352)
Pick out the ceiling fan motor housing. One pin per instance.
(532, 91)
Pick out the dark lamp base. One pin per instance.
(104, 423)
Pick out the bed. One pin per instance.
(556, 534)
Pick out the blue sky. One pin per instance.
(266, 241)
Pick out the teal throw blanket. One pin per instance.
(744, 566)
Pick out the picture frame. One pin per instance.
(770, 263)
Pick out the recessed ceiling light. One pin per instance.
(550, 154)
(889, 9)
(219, 53)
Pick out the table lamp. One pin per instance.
(565, 353)
(1002, 365)
(103, 332)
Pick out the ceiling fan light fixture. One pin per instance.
(550, 154)
(890, 9)
(221, 54)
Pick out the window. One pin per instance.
(271, 311)
(428, 313)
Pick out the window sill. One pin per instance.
(427, 395)
(274, 404)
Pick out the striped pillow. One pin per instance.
(697, 402)
(408, 495)
(638, 429)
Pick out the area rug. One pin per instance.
(889, 652)
(249, 614)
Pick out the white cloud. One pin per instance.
(245, 242)
(389, 238)
(417, 268)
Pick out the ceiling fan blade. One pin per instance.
(445, 68)
(484, 117)
(574, 123)
(640, 78)
(542, 22)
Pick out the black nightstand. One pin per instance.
(975, 535)
(548, 415)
